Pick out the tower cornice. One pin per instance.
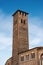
(20, 11)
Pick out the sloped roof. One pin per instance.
(38, 48)
(20, 11)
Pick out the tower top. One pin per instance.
(20, 12)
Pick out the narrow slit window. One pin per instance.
(21, 20)
(24, 21)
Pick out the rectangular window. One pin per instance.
(22, 58)
(27, 57)
(32, 55)
(21, 20)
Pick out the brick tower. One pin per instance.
(20, 34)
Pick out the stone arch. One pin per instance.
(41, 59)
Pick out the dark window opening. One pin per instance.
(27, 57)
(32, 55)
(21, 20)
(22, 58)
(24, 21)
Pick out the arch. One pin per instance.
(41, 58)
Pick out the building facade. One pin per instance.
(21, 54)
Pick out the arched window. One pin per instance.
(23, 21)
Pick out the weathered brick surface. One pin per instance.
(20, 35)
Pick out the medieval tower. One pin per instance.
(20, 34)
(21, 54)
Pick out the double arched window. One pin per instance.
(23, 21)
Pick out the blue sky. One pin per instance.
(35, 24)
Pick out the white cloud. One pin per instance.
(4, 41)
(36, 33)
(5, 30)
(5, 37)
(6, 23)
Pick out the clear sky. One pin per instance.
(35, 24)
